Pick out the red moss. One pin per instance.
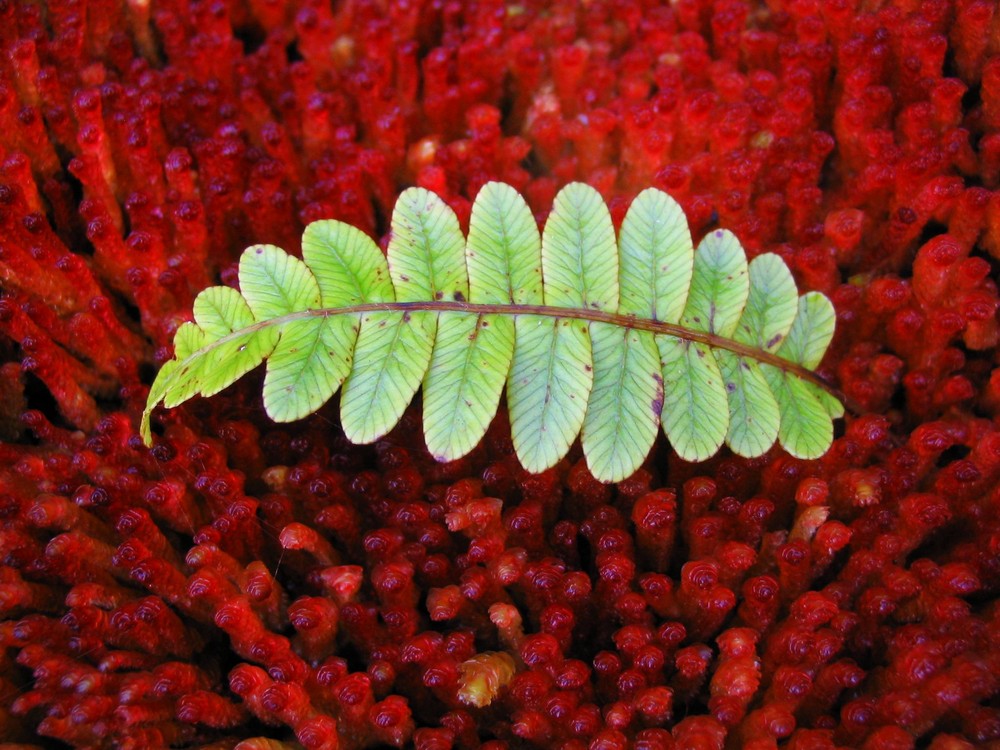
(242, 579)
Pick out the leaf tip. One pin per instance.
(145, 431)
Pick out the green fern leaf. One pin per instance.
(462, 389)
(275, 283)
(218, 312)
(305, 366)
(720, 285)
(553, 366)
(427, 250)
(811, 331)
(390, 359)
(594, 338)
(308, 365)
(426, 256)
(806, 427)
(754, 416)
(771, 306)
(806, 430)
(625, 403)
(695, 409)
(223, 316)
(696, 414)
(348, 266)
(233, 359)
(550, 381)
(349, 270)
(504, 250)
(656, 258)
(833, 405)
(579, 255)
(472, 353)
(190, 337)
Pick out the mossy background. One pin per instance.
(242, 579)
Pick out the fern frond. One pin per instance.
(593, 336)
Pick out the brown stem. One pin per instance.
(597, 316)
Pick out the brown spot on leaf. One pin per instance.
(459, 297)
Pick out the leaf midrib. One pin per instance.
(598, 316)
(354, 277)
(284, 291)
(300, 373)
(550, 365)
(622, 372)
(466, 366)
(397, 332)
